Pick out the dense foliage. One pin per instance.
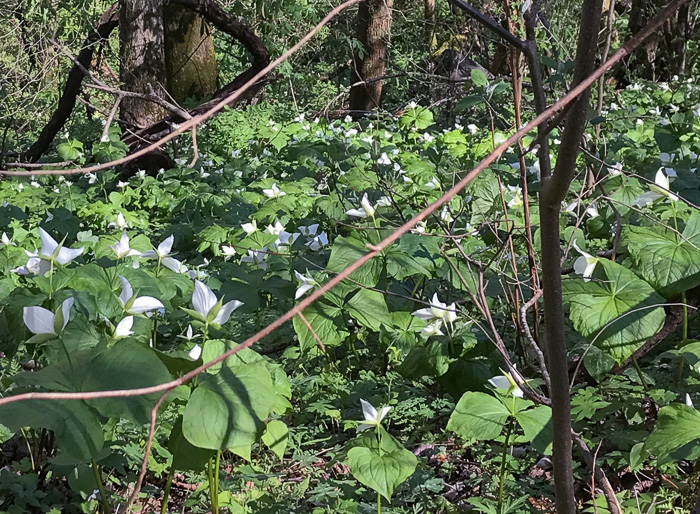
(389, 392)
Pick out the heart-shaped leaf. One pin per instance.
(478, 416)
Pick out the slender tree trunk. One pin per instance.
(429, 24)
(190, 61)
(141, 51)
(373, 31)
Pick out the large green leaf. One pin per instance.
(478, 416)
(668, 262)
(77, 430)
(676, 426)
(429, 360)
(228, 409)
(127, 365)
(536, 422)
(275, 437)
(346, 250)
(326, 324)
(381, 466)
(614, 296)
(186, 456)
(369, 309)
(413, 255)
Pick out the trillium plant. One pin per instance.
(209, 310)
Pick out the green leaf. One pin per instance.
(478, 416)
(346, 250)
(616, 296)
(668, 262)
(384, 468)
(676, 426)
(537, 425)
(479, 77)
(369, 309)
(276, 436)
(431, 360)
(326, 323)
(227, 409)
(77, 430)
(413, 255)
(186, 456)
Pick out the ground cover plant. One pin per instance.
(422, 382)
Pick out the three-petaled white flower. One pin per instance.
(120, 223)
(133, 304)
(228, 251)
(208, 309)
(309, 231)
(372, 417)
(366, 210)
(507, 383)
(51, 252)
(318, 242)
(660, 189)
(6, 241)
(437, 314)
(273, 192)
(162, 253)
(249, 228)
(43, 321)
(122, 249)
(256, 257)
(307, 283)
(585, 264)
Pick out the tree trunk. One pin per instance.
(429, 24)
(190, 61)
(664, 53)
(141, 51)
(373, 31)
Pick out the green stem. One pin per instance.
(684, 299)
(379, 503)
(51, 280)
(213, 495)
(216, 480)
(154, 335)
(98, 478)
(639, 372)
(166, 492)
(502, 476)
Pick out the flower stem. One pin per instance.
(213, 495)
(100, 487)
(502, 476)
(639, 372)
(379, 503)
(51, 280)
(684, 300)
(166, 492)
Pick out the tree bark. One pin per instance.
(429, 24)
(373, 31)
(190, 62)
(141, 56)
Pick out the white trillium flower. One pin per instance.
(433, 328)
(209, 308)
(585, 264)
(516, 200)
(318, 242)
(507, 383)
(660, 189)
(307, 283)
(249, 228)
(384, 159)
(273, 192)
(437, 310)
(43, 321)
(163, 249)
(446, 216)
(309, 231)
(256, 257)
(275, 229)
(372, 417)
(120, 223)
(195, 353)
(6, 241)
(124, 327)
(51, 251)
(122, 249)
(228, 251)
(136, 305)
(366, 210)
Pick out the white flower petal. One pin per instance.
(203, 298)
(65, 255)
(368, 411)
(39, 320)
(195, 352)
(225, 312)
(358, 213)
(301, 291)
(165, 247)
(48, 243)
(65, 310)
(124, 327)
(127, 291)
(145, 304)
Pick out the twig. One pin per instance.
(110, 117)
(531, 340)
(195, 148)
(313, 332)
(608, 491)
